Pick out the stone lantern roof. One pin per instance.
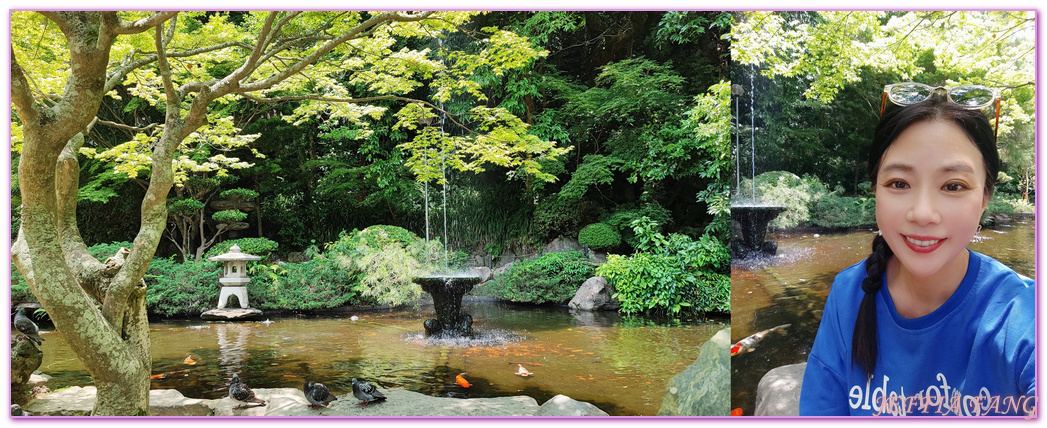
(233, 255)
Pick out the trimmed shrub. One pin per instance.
(599, 236)
(260, 247)
(317, 284)
(553, 277)
(182, 289)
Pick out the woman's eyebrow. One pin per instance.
(961, 167)
(898, 167)
(956, 167)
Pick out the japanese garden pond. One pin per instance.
(620, 364)
(791, 288)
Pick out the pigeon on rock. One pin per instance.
(27, 327)
(366, 393)
(240, 392)
(16, 410)
(317, 394)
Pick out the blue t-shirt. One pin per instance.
(974, 355)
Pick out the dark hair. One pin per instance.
(892, 123)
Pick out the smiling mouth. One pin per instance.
(925, 245)
(920, 243)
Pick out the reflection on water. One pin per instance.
(620, 364)
(791, 288)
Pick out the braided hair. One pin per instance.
(892, 123)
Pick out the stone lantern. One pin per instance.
(234, 283)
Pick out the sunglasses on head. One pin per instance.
(971, 97)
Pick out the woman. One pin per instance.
(924, 326)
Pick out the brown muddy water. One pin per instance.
(791, 288)
(620, 364)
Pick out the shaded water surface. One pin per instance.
(791, 288)
(622, 365)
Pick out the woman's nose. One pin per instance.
(924, 211)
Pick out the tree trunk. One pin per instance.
(111, 341)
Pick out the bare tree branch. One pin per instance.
(173, 100)
(144, 23)
(127, 127)
(21, 94)
(117, 75)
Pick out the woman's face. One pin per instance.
(930, 195)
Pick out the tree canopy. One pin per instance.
(819, 76)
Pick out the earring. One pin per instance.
(977, 235)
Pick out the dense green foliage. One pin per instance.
(185, 289)
(260, 247)
(372, 266)
(835, 211)
(551, 278)
(382, 260)
(671, 273)
(599, 236)
(638, 98)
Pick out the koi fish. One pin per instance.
(189, 359)
(164, 375)
(522, 372)
(460, 380)
(737, 412)
(749, 343)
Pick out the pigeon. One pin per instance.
(27, 327)
(240, 392)
(317, 394)
(16, 410)
(366, 393)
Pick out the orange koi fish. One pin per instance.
(460, 380)
(749, 343)
(189, 359)
(737, 412)
(522, 372)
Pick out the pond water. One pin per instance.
(620, 364)
(791, 288)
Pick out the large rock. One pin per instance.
(778, 393)
(703, 389)
(595, 294)
(232, 314)
(170, 402)
(399, 402)
(80, 401)
(39, 379)
(502, 269)
(562, 405)
(485, 273)
(72, 401)
(77, 401)
(26, 357)
(562, 245)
